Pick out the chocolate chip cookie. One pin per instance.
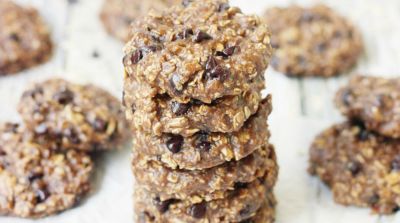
(152, 112)
(201, 50)
(82, 117)
(206, 149)
(266, 214)
(209, 183)
(24, 38)
(375, 101)
(313, 41)
(36, 181)
(361, 168)
(118, 15)
(238, 205)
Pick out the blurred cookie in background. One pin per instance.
(117, 15)
(312, 41)
(24, 38)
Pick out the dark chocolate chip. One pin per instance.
(248, 221)
(174, 143)
(202, 142)
(150, 49)
(211, 63)
(186, 2)
(395, 209)
(226, 52)
(162, 206)
(136, 56)
(14, 37)
(395, 165)
(41, 195)
(99, 125)
(218, 73)
(2, 152)
(185, 34)
(65, 96)
(245, 212)
(198, 210)
(35, 176)
(223, 7)
(200, 36)
(354, 167)
(72, 135)
(179, 108)
(240, 185)
(374, 199)
(41, 129)
(363, 135)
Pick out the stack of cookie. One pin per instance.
(192, 90)
(360, 159)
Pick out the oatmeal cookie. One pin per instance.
(266, 214)
(312, 41)
(206, 149)
(238, 205)
(24, 38)
(375, 101)
(361, 168)
(83, 117)
(201, 50)
(209, 183)
(149, 111)
(118, 15)
(36, 181)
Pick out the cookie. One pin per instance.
(313, 41)
(361, 168)
(209, 183)
(24, 38)
(201, 50)
(152, 112)
(206, 149)
(266, 214)
(36, 181)
(375, 101)
(118, 15)
(238, 205)
(83, 117)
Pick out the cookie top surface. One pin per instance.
(24, 38)
(312, 41)
(118, 15)
(82, 117)
(375, 101)
(36, 181)
(198, 50)
(362, 168)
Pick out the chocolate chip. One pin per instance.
(41, 195)
(240, 185)
(174, 143)
(72, 135)
(185, 34)
(99, 125)
(354, 167)
(35, 176)
(245, 212)
(198, 210)
(174, 81)
(395, 209)
(223, 7)
(2, 152)
(374, 199)
(41, 129)
(150, 49)
(186, 2)
(162, 206)
(202, 142)
(201, 36)
(395, 165)
(64, 96)
(248, 221)
(363, 135)
(179, 108)
(226, 52)
(215, 71)
(211, 63)
(136, 56)
(14, 37)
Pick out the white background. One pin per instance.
(302, 108)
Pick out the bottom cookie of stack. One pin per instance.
(253, 202)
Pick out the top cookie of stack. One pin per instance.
(191, 60)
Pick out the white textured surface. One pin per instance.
(302, 108)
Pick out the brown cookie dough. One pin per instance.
(82, 117)
(375, 101)
(150, 112)
(361, 168)
(312, 41)
(267, 212)
(118, 15)
(209, 183)
(238, 205)
(24, 38)
(36, 181)
(201, 50)
(204, 149)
